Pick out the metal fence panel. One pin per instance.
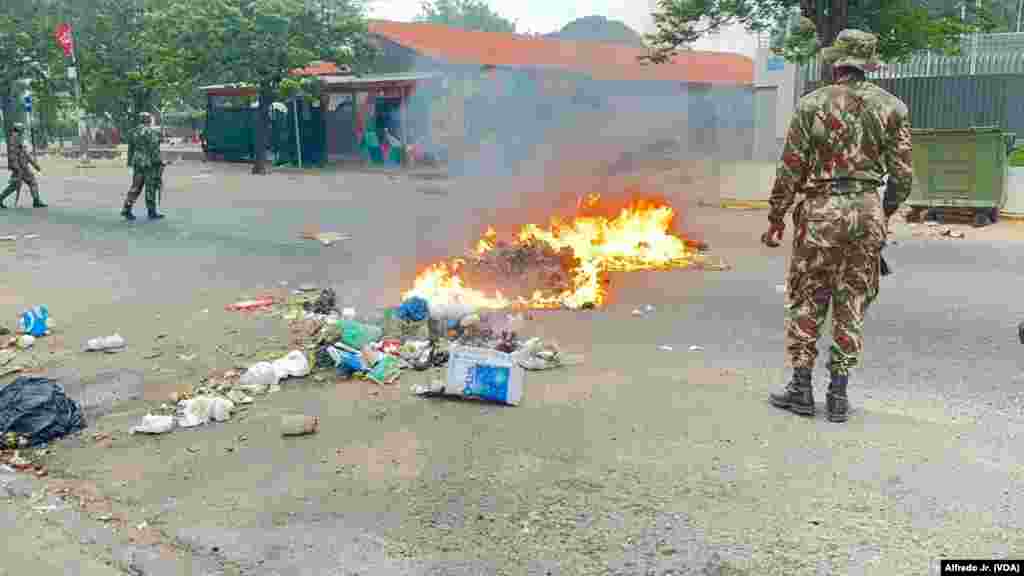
(982, 54)
(961, 102)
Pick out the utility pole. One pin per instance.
(28, 123)
(66, 40)
(83, 129)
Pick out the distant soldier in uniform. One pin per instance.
(842, 141)
(147, 167)
(20, 163)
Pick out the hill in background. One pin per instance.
(599, 29)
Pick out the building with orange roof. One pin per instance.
(598, 60)
(517, 89)
(455, 93)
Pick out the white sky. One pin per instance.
(543, 16)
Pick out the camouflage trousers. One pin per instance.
(19, 177)
(149, 178)
(835, 261)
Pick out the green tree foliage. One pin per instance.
(903, 26)
(27, 52)
(120, 74)
(151, 55)
(255, 42)
(1017, 158)
(466, 14)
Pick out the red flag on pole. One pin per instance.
(64, 38)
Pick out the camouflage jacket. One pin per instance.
(850, 130)
(18, 157)
(143, 148)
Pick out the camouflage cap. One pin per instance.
(853, 48)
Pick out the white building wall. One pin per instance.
(771, 70)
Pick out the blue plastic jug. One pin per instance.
(33, 321)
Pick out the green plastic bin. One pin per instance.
(963, 168)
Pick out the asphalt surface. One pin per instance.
(642, 461)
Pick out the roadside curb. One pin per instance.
(737, 204)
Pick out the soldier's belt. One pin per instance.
(843, 187)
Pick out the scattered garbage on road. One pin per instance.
(246, 305)
(481, 350)
(111, 343)
(936, 230)
(38, 409)
(299, 425)
(35, 321)
(25, 341)
(537, 354)
(258, 378)
(484, 374)
(643, 311)
(154, 424)
(14, 237)
(325, 238)
(203, 409)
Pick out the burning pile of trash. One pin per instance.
(521, 269)
(464, 317)
(565, 265)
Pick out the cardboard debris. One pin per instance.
(325, 238)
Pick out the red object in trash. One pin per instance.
(390, 346)
(250, 304)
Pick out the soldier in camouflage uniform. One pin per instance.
(20, 163)
(147, 167)
(843, 139)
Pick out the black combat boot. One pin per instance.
(39, 204)
(798, 397)
(127, 211)
(836, 403)
(153, 214)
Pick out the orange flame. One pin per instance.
(488, 241)
(638, 238)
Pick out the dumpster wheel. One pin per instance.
(985, 217)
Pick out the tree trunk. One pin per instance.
(7, 108)
(262, 131)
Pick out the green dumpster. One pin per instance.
(960, 169)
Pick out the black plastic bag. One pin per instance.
(38, 409)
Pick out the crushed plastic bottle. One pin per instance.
(105, 344)
(33, 321)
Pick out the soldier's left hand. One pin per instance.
(773, 237)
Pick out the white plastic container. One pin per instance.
(484, 374)
(106, 343)
(1014, 192)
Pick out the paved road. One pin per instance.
(639, 462)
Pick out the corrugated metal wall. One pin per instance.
(980, 55)
(984, 86)
(961, 102)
